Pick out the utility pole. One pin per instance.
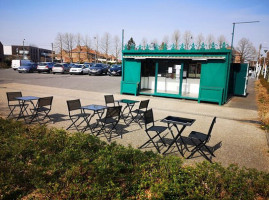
(51, 52)
(23, 49)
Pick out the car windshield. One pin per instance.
(77, 66)
(58, 65)
(116, 66)
(43, 64)
(98, 66)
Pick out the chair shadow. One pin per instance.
(57, 117)
(120, 131)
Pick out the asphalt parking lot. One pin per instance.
(104, 83)
(236, 137)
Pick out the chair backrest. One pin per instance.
(109, 99)
(11, 96)
(113, 112)
(144, 104)
(44, 101)
(210, 129)
(73, 104)
(148, 117)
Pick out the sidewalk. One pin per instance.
(236, 133)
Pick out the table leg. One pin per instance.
(175, 139)
(130, 107)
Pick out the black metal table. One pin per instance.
(22, 101)
(174, 121)
(129, 106)
(97, 110)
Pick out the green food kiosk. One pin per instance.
(197, 73)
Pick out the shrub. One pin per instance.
(37, 162)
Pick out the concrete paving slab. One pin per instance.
(236, 135)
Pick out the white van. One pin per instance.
(15, 64)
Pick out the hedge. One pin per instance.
(41, 163)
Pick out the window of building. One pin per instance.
(194, 71)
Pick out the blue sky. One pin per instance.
(38, 22)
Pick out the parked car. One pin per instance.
(15, 64)
(115, 70)
(79, 69)
(27, 68)
(98, 69)
(45, 67)
(60, 68)
(88, 63)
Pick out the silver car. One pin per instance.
(60, 68)
(79, 69)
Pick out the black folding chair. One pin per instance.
(43, 108)
(109, 100)
(200, 140)
(111, 119)
(148, 118)
(14, 103)
(75, 113)
(143, 106)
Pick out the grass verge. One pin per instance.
(262, 99)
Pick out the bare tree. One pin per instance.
(59, 42)
(221, 39)
(144, 42)
(246, 50)
(187, 38)
(200, 40)
(176, 38)
(105, 45)
(78, 41)
(69, 44)
(166, 39)
(87, 44)
(210, 39)
(117, 46)
(154, 43)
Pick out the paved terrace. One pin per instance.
(236, 136)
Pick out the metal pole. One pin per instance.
(52, 52)
(122, 63)
(232, 37)
(23, 49)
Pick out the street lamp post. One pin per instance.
(96, 48)
(234, 28)
(23, 49)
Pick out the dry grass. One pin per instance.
(262, 99)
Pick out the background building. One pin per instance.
(84, 54)
(1, 52)
(32, 53)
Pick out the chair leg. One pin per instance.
(151, 140)
(73, 124)
(11, 111)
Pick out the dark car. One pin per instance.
(45, 67)
(28, 68)
(98, 69)
(115, 70)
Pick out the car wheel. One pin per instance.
(53, 72)
(39, 72)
